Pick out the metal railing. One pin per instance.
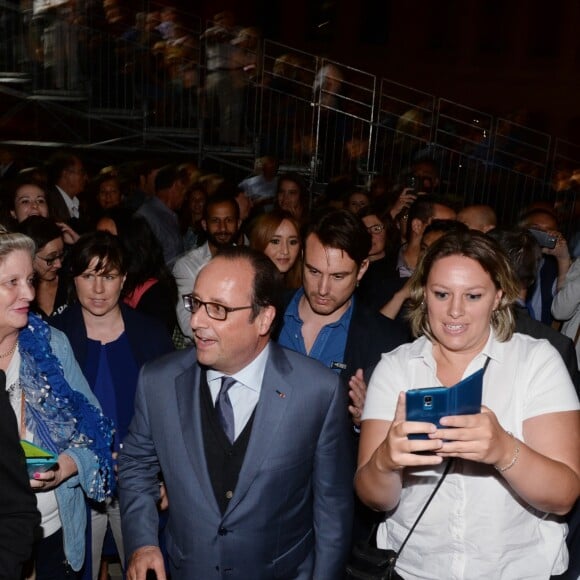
(129, 87)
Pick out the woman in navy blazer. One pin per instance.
(111, 342)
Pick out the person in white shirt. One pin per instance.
(221, 222)
(498, 514)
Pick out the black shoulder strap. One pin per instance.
(445, 472)
(424, 509)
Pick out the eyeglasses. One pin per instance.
(376, 229)
(50, 261)
(213, 309)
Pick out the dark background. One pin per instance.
(503, 57)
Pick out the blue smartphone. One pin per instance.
(38, 460)
(431, 403)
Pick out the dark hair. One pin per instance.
(221, 198)
(14, 186)
(522, 250)
(392, 232)
(120, 215)
(147, 166)
(166, 177)
(344, 231)
(488, 254)
(534, 212)
(268, 288)
(185, 211)
(445, 226)
(8, 200)
(58, 163)
(144, 256)
(42, 230)
(101, 245)
(423, 209)
(299, 181)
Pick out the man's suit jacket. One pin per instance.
(18, 514)
(59, 211)
(291, 512)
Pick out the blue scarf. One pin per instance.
(57, 415)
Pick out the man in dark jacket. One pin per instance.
(325, 321)
(18, 514)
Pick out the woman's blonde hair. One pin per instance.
(489, 255)
(11, 242)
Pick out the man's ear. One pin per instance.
(204, 225)
(363, 268)
(266, 319)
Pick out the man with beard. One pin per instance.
(221, 222)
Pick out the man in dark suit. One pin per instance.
(67, 179)
(252, 441)
(18, 514)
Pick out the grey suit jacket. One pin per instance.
(291, 512)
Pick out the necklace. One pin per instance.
(9, 352)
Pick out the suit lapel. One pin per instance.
(275, 396)
(187, 387)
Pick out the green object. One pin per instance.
(37, 458)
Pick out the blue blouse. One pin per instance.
(116, 399)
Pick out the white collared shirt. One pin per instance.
(244, 395)
(475, 527)
(72, 204)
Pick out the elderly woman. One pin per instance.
(111, 342)
(516, 470)
(56, 410)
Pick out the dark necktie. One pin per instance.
(224, 409)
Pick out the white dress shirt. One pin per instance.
(475, 527)
(245, 393)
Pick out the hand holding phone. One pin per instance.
(430, 404)
(38, 459)
(545, 239)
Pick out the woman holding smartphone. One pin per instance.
(517, 462)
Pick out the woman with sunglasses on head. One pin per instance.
(51, 294)
(111, 342)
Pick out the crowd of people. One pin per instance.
(213, 363)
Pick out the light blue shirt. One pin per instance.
(245, 393)
(330, 344)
